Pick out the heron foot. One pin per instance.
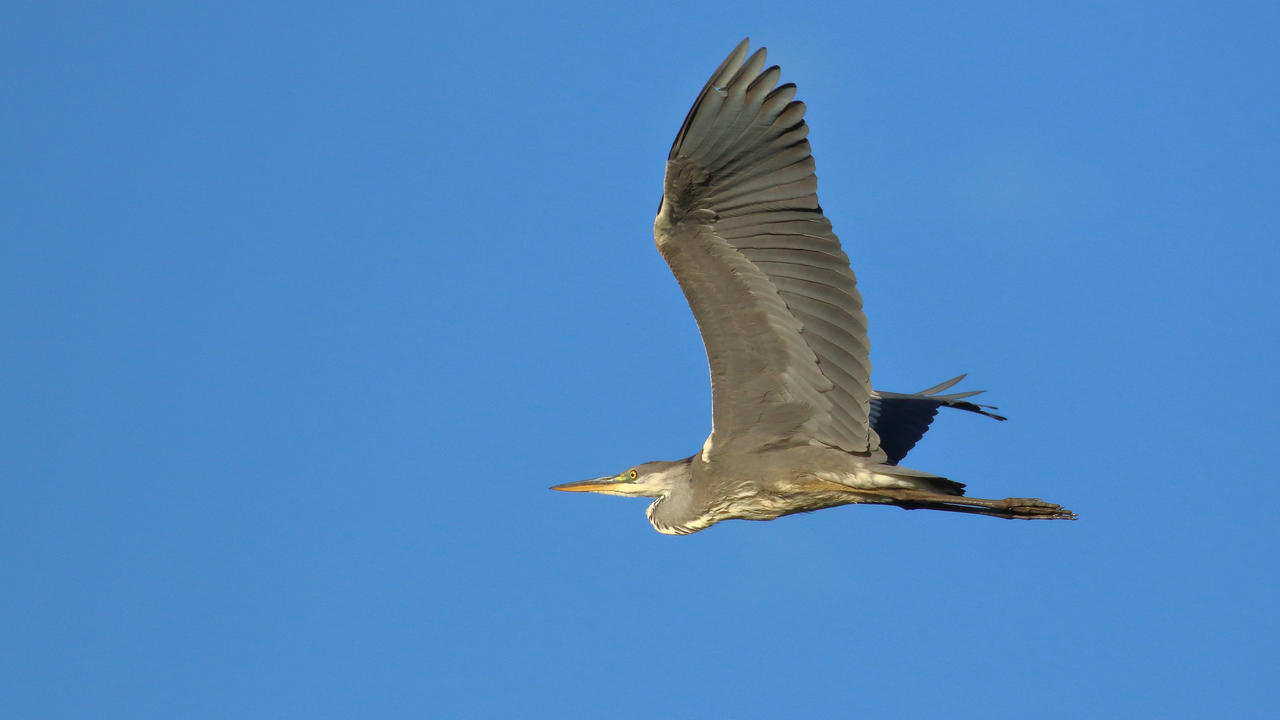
(1029, 508)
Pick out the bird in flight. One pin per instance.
(795, 424)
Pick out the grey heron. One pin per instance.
(795, 424)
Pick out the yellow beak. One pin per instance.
(604, 484)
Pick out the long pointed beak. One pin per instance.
(604, 484)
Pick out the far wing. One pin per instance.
(902, 419)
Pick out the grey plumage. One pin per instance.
(795, 424)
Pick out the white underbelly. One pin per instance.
(865, 479)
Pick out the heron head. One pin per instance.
(651, 479)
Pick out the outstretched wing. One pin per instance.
(773, 294)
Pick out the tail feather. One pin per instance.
(922, 480)
(943, 486)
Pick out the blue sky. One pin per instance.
(304, 307)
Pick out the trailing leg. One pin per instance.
(1013, 508)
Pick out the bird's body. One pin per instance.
(769, 484)
(795, 424)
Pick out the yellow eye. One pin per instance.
(633, 474)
